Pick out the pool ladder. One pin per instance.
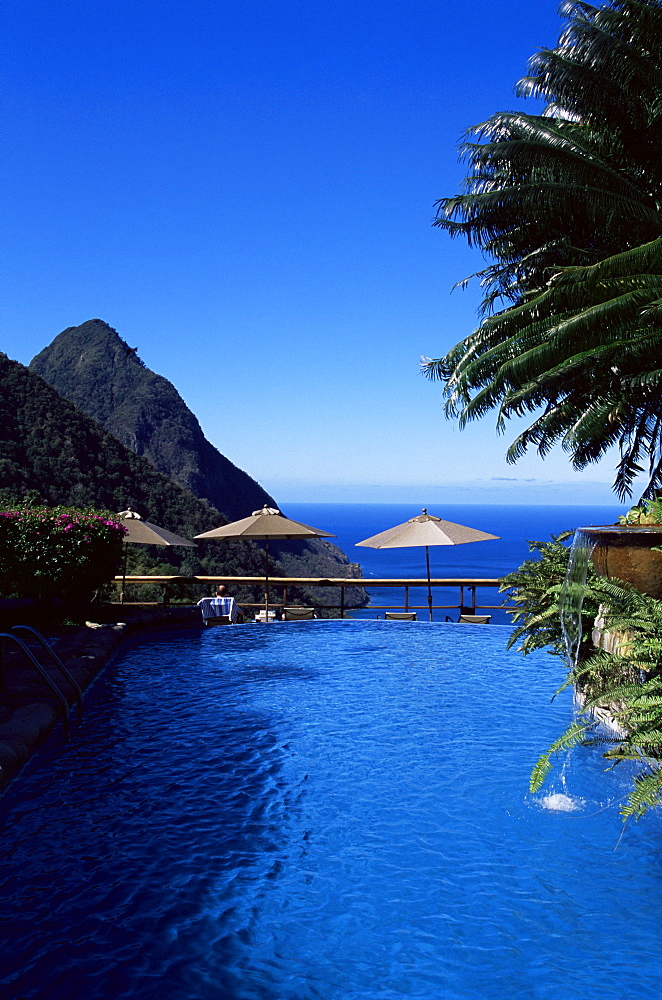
(54, 659)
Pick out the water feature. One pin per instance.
(572, 594)
(628, 552)
(325, 811)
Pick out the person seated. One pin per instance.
(221, 604)
(223, 600)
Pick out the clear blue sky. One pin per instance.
(244, 189)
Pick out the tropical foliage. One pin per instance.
(57, 551)
(647, 513)
(537, 591)
(622, 683)
(567, 205)
(627, 685)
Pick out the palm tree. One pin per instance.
(568, 204)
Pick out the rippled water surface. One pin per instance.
(325, 810)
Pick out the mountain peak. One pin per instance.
(101, 374)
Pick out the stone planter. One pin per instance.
(625, 552)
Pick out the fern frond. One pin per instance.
(573, 735)
(647, 793)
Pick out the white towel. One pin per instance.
(212, 607)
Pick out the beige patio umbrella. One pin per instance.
(425, 530)
(261, 526)
(139, 532)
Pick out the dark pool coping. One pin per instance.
(30, 713)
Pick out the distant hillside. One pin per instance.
(49, 446)
(92, 367)
(95, 369)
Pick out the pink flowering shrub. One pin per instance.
(57, 551)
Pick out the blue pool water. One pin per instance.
(325, 811)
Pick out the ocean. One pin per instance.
(515, 525)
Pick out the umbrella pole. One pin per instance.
(427, 560)
(266, 577)
(126, 553)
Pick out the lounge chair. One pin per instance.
(400, 616)
(218, 620)
(216, 609)
(261, 616)
(475, 619)
(298, 614)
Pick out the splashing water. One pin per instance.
(560, 802)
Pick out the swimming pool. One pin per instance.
(325, 810)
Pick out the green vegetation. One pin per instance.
(647, 513)
(57, 551)
(536, 591)
(626, 684)
(56, 455)
(568, 206)
(52, 454)
(92, 367)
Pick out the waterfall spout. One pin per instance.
(572, 594)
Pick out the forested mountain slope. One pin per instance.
(95, 369)
(91, 366)
(49, 446)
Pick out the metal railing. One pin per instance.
(31, 658)
(54, 658)
(466, 604)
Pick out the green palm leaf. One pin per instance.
(569, 206)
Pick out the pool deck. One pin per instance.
(29, 712)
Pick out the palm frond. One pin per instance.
(568, 205)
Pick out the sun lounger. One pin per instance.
(218, 620)
(215, 609)
(261, 616)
